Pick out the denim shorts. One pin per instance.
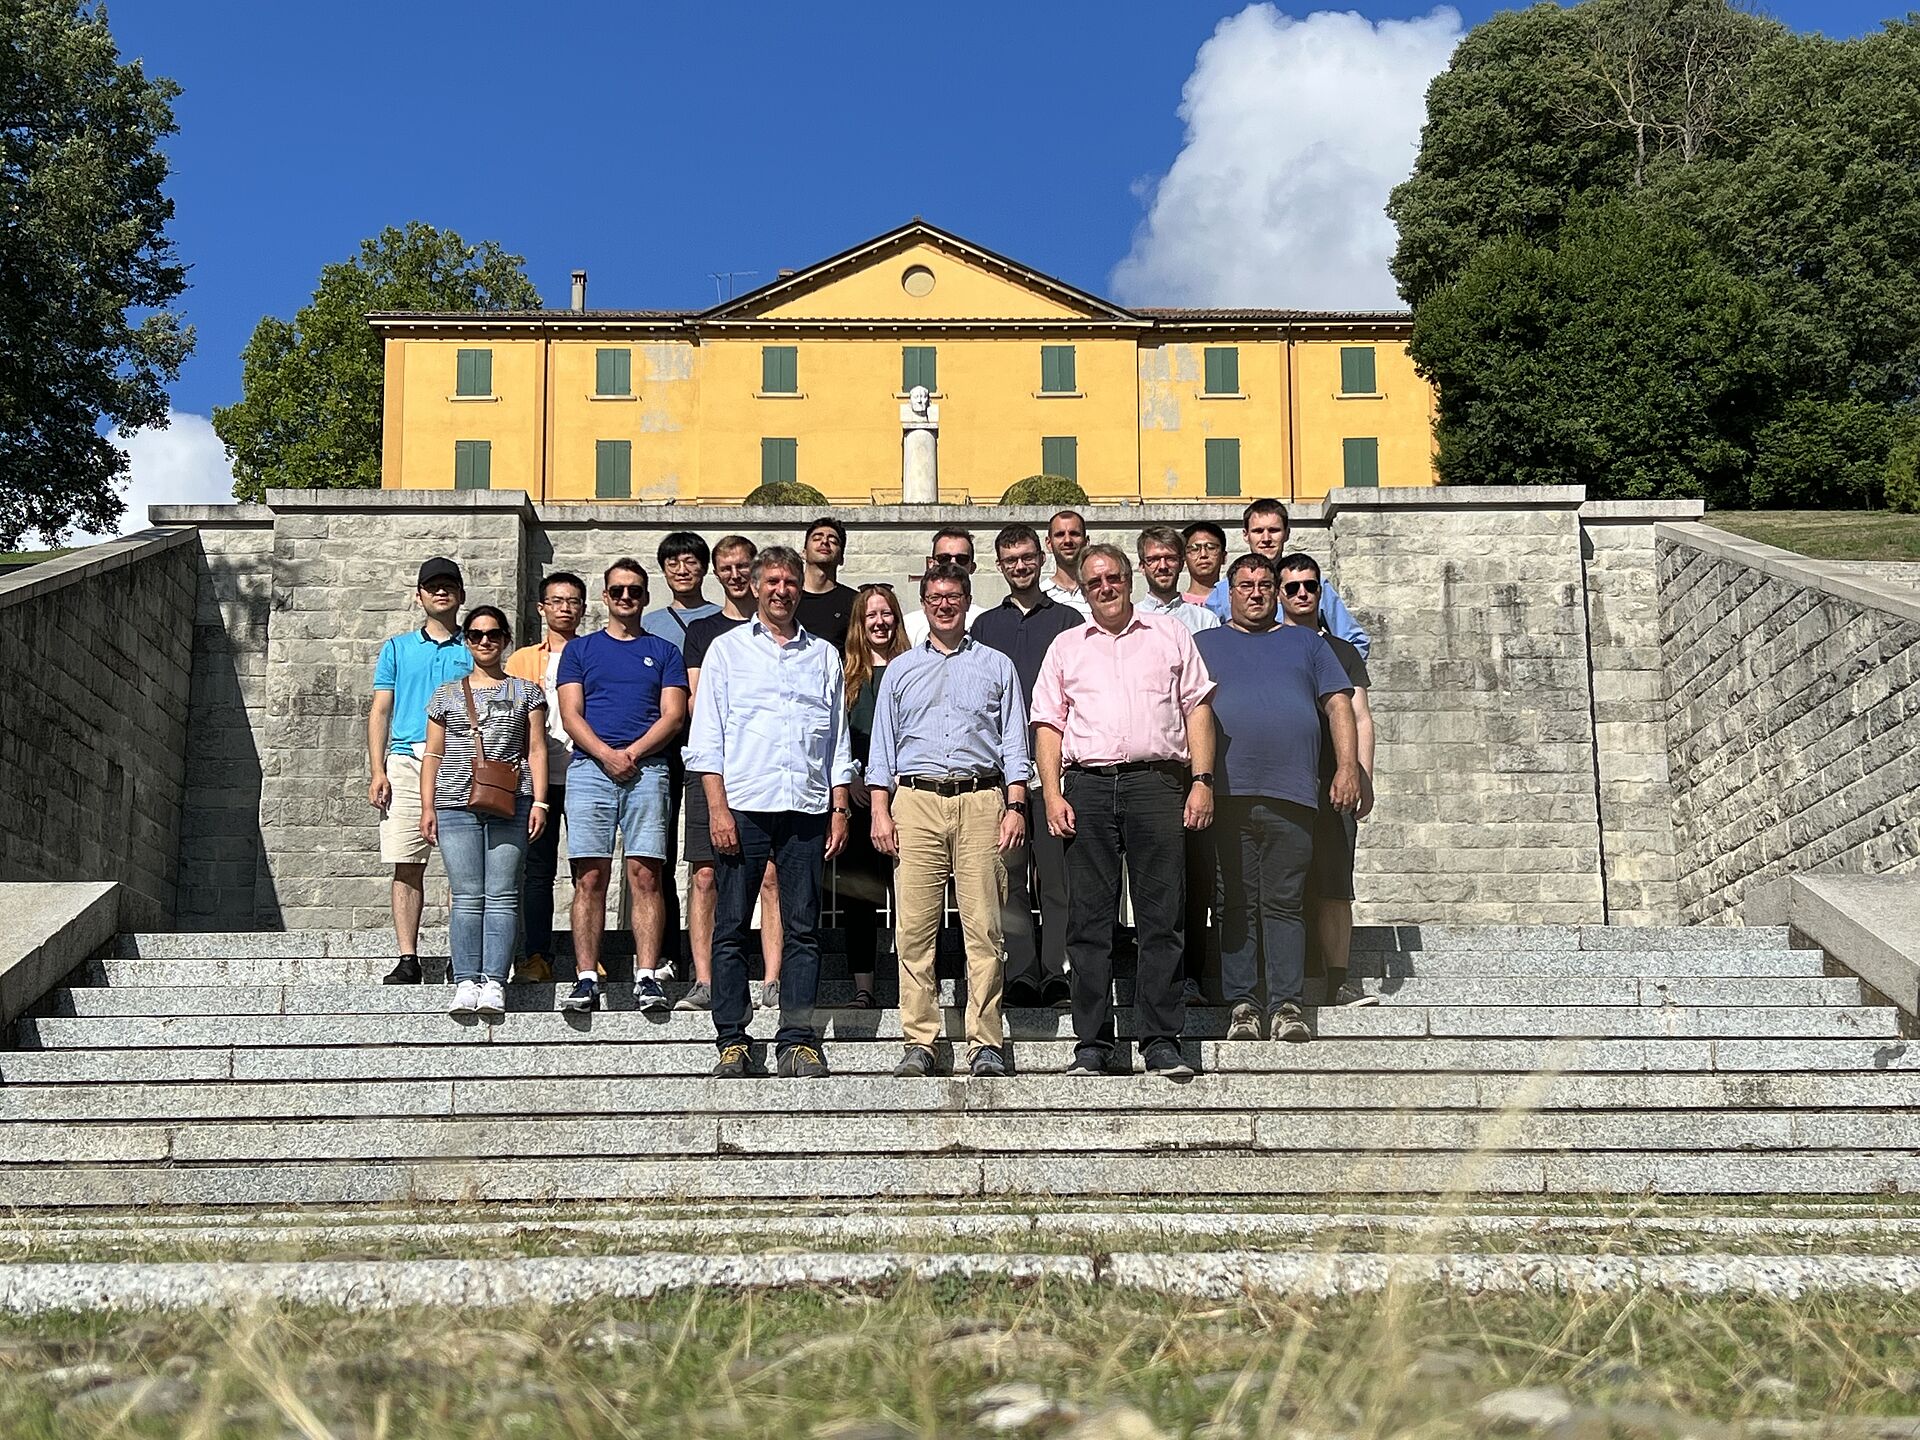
(597, 809)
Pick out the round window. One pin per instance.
(917, 281)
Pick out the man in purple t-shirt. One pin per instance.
(623, 700)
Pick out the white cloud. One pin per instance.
(183, 464)
(1296, 131)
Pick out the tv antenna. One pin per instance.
(727, 277)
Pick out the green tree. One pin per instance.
(309, 416)
(86, 269)
(1622, 356)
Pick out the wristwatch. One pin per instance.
(842, 810)
(1019, 807)
(1204, 777)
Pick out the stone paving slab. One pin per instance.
(1681, 937)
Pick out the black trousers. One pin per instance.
(1137, 814)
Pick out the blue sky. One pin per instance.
(656, 143)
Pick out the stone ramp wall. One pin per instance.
(1793, 717)
(94, 724)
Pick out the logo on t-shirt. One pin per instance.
(649, 660)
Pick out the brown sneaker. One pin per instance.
(1245, 1024)
(1286, 1023)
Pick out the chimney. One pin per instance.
(579, 291)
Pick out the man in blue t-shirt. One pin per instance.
(1274, 684)
(623, 700)
(409, 669)
(1265, 526)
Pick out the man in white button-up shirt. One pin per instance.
(769, 742)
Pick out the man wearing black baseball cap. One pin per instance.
(410, 668)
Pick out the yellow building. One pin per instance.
(802, 380)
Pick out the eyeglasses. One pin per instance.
(439, 587)
(1103, 582)
(1204, 547)
(490, 636)
(1253, 587)
(564, 602)
(626, 592)
(1300, 587)
(1018, 562)
(965, 562)
(676, 562)
(945, 602)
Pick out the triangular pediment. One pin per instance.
(919, 273)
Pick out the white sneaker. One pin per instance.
(493, 999)
(466, 999)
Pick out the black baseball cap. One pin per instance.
(436, 567)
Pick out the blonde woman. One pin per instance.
(876, 633)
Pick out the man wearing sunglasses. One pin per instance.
(1265, 528)
(952, 545)
(623, 699)
(1329, 893)
(410, 668)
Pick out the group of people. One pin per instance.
(1213, 736)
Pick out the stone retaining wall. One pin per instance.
(1793, 717)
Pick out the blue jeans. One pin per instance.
(1265, 846)
(797, 845)
(484, 855)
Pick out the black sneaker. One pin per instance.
(1245, 1024)
(1287, 1023)
(916, 1064)
(1088, 1062)
(803, 1062)
(1022, 995)
(735, 1063)
(585, 995)
(647, 994)
(988, 1064)
(1058, 994)
(1163, 1058)
(407, 972)
(1351, 995)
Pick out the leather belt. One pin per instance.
(1128, 767)
(952, 784)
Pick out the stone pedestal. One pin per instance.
(919, 467)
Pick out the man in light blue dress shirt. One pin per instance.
(1266, 527)
(947, 772)
(770, 744)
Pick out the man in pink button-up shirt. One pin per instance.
(1123, 737)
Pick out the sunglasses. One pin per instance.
(1302, 587)
(489, 636)
(626, 592)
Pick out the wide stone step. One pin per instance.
(1034, 1177)
(160, 1000)
(862, 1095)
(1397, 1021)
(1748, 1057)
(649, 1134)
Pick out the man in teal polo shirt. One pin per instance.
(410, 668)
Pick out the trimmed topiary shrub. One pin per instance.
(1044, 490)
(787, 492)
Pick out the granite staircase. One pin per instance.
(273, 1069)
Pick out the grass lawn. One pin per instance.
(919, 1360)
(1828, 534)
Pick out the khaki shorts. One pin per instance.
(401, 842)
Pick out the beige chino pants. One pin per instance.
(941, 836)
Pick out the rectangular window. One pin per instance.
(473, 464)
(1223, 467)
(1056, 370)
(1356, 370)
(473, 373)
(779, 462)
(1060, 455)
(1362, 459)
(917, 367)
(613, 469)
(613, 372)
(780, 369)
(1223, 370)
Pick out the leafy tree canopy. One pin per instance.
(87, 343)
(311, 407)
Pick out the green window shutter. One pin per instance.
(917, 367)
(1060, 455)
(1223, 370)
(1362, 459)
(473, 373)
(613, 372)
(779, 461)
(780, 369)
(1356, 371)
(1223, 467)
(472, 464)
(1056, 369)
(613, 469)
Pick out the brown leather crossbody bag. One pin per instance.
(496, 783)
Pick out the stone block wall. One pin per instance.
(1630, 706)
(1793, 717)
(93, 731)
(1487, 809)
